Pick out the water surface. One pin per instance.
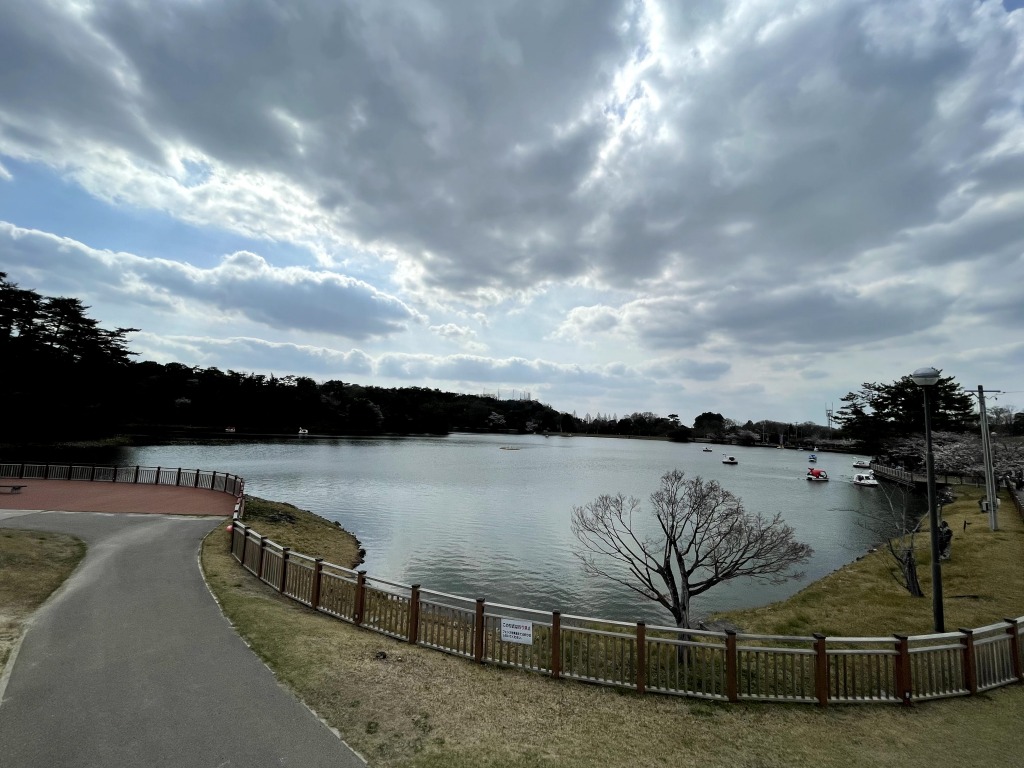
(463, 514)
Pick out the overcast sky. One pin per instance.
(747, 207)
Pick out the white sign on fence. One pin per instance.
(514, 631)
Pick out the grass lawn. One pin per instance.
(401, 705)
(981, 583)
(32, 565)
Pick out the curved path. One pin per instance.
(132, 663)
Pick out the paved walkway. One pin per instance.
(132, 663)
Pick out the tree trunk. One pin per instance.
(683, 622)
(908, 566)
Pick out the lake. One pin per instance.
(461, 515)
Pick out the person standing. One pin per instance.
(945, 540)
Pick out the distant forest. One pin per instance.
(66, 378)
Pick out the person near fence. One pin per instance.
(945, 540)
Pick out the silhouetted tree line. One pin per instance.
(196, 398)
(639, 424)
(876, 414)
(65, 377)
(62, 373)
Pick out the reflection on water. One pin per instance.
(459, 515)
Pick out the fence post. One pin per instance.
(156, 477)
(414, 614)
(263, 549)
(92, 473)
(360, 597)
(195, 481)
(1015, 651)
(46, 471)
(284, 569)
(314, 589)
(970, 675)
(135, 481)
(177, 478)
(732, 678)
(556, 644)
(820, 670)
(641, 657)
(245, 541)
(903, 682)
(478, 632)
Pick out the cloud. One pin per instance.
(247, 354)
(474, 371)
(503, 150)
(730, 193)
(242, 284)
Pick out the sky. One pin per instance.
(748, 207)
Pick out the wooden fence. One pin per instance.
(906, 477)
(724, 666)
(189, 478)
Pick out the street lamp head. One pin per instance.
(925, 377)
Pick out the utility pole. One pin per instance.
(991, 491)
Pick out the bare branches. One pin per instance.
(704, 537)
(897, 527)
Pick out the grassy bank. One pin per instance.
(981, 583)
(401, 705)
(32, 565)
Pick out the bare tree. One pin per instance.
(706, 537)
(897, 527)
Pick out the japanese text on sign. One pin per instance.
(514, 631)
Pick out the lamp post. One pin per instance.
(926, 378)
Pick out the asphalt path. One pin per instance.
(132, 663)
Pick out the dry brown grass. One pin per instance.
(416, 707)
(303, 531)
(981, 583)
(32, 565)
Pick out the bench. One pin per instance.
(13, 488)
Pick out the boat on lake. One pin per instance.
(706, 450)
(862, 464)
(865, 478)
(817, 475)
(303, 431)
(729, 459)
(812, 458)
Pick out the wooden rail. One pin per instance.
(897, 475)
(723, 666)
